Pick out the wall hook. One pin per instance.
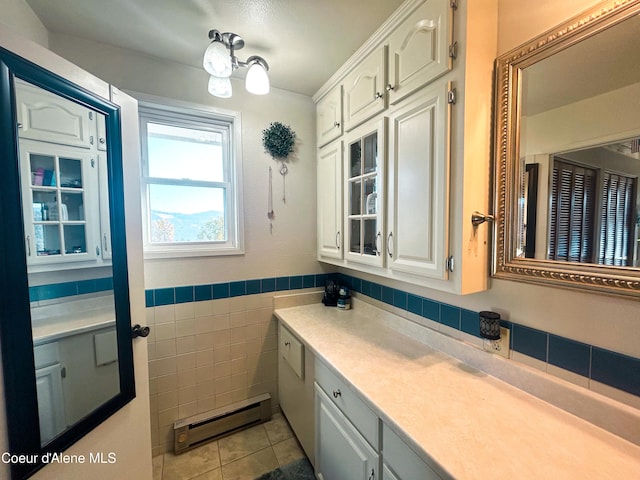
(478, 218)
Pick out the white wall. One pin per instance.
(291, 249)
(18, 16)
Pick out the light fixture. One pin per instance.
(220, 61)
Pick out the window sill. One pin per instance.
(166, 253)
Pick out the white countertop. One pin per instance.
(56, 321)
(463, 422)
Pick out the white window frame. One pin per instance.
(182, 114)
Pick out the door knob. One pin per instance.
(138, 331)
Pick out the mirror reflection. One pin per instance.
(63, 164)
(579, 152)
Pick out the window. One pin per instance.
(592, 214)
(191, 181)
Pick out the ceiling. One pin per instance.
(303, 41)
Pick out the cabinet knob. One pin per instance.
(378, 95)
(287, 344)
(390, 88)
(336, 124)
(337, 393)
(373, 474)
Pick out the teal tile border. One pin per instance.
(611, 368)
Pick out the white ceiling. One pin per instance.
(304, 41)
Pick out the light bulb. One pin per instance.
(257, 81)
(220, 87)
(217, 60)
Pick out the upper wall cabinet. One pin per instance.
(418, 217)
(364, 89)
(329, 117)
(419, 49)
(62, 150)
(329, 189)
(50, 118)
(434, 115)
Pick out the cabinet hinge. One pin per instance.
(453, 50)
(452, 96)
(454, 4)
(450, 264)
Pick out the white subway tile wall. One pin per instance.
(208, 354)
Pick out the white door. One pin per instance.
(126, 435)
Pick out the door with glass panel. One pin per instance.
(365, 194)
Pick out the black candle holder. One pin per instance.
(490, 325)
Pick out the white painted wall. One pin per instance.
(291, 249)
(18, 16)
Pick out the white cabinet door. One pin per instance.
(105, 223)
(418, 184)
(329, 183)
(400, 461)
(60, 203)
(50, 402)
(48, 117)
(329, 116)
(419, 49)
(364, 175)
(364, 89)
(341, 452)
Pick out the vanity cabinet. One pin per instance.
(346, 430)
(400, 461)
(437, 106)
(295, 388)
(63, 162)
(50, 395)
(329, 182)
(329, 117)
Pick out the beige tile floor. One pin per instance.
(245, 455)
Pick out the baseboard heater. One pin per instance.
(204, 427)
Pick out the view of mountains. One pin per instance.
(186, 227)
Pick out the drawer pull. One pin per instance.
(373, 474)
(337, 393)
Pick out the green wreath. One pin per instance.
(278, 140)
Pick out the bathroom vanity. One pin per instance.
(396, 400)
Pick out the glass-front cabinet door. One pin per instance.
(57, 180)
(365, 194)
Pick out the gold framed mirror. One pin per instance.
(567, 155)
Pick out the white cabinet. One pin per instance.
(50, 118)
(419, 49)
(341, 452)
(437, 103)
(400, 462)
(329, 188)
(364, 89)
(51, 411)
(63, 162)
(329, 116)
(418, 184)
(364, 175)
(295, 388)
(56, 181)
